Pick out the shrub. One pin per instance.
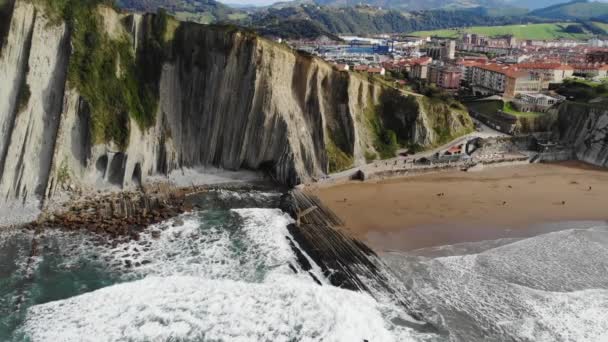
(23, 97)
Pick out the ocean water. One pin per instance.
(229, 273)
(549, 287)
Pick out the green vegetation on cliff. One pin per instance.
(338, 160)
(24, 96)
(448, 119)
(116, 82)
(578, 90)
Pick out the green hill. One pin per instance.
(202, 11)
(579, 9)
(369, 20)
(530, 31)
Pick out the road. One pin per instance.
(482, 131)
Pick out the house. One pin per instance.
(377, 70)
(536, 102)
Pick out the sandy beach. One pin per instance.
(452, 207)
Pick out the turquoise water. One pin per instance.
(229, 273)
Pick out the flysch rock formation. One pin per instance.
(226, 98)
(585, 127)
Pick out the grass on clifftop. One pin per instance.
(531, 31)
(508, 108)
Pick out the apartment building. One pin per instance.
(447, 77)
(547, 72)
(504, 80)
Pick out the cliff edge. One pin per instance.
(93, 98)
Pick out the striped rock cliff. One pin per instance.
(186, 96)
(585, 127)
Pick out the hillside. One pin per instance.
(415, 5)
(202, 11)
(366, 20)
(579, 9)
(530, 31)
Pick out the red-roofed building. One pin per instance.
(360, 67)
(599, 56)
(466, 67)
(547, 72)
(504, 80)
(378, 71)
(591, 70)
(445, 76)
(420, 68)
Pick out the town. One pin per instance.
(475, 69)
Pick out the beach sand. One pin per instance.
(452, 207)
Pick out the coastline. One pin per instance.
(453, 206)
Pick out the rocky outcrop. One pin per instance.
(585, 127)
(221, 97)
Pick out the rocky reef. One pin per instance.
(585, 128)
(92, 98)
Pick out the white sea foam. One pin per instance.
(249, 246)
(181, 308)
(552, 287)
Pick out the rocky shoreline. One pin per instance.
(126, 214)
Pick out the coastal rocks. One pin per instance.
(345, 262)
(585, 128)
(118, 215)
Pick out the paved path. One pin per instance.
(482, 131)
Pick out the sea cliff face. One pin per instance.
(130, 96)
(585, 127)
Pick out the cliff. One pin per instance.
(91, 98)
(585, 127)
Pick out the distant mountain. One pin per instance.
(534, 4)
(369, 20)
(205, 11)
(414, 5)
(578, 9)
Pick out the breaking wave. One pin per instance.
(213, 275)
(225, 274)
(552, 287)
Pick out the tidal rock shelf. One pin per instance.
(124, 215)
(346, 262)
